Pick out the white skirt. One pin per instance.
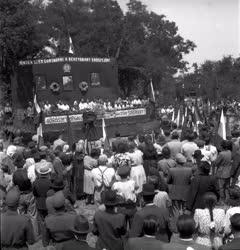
(138, 175)
(88, 183)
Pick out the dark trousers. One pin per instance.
(41, 217)
(223, 188)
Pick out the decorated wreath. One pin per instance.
(55, 87)
(83, 86)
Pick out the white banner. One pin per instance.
(107, 115)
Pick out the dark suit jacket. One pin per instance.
(115, 144)
(76, 245)
(199, 186)
(143, 243)
(180, 178)
(235, 171)
(40, 189)
(224, 164)
(178, 244)
(163, 222)
(233, 245)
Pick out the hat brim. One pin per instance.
(82, 231)
(57, 187)
(44, 173)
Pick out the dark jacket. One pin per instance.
(20, 179)
(180, 179)
(233, 245)
(163, 233)
(16, 230)
(235, 171)
(143, 243)
(115, 144)
(76, 245)
(224, 164)
(109, 227)
(58, 227)
(40, 189)
(199, 186)
(179, 244)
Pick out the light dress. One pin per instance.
(137, 171)
(203, 221)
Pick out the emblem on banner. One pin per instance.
(66, 68)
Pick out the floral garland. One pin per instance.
(55, 87)
(83, 86)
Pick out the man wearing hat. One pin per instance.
(58, 226)
(40, 188)
(80, 232)
(163, 233)
(179, 179)
(16, 230)
(109, 225)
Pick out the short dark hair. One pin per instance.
(141, 138)
(95, 152)
(191, 137)
(122, 147)
(186, 226)
(150, 225)
(235, 222)
(175, 135)
(148, 198)
(167, 132)
(166, 152)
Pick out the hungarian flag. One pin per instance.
(105, 139)
(39, 122)
(222, 127)
(71, 48)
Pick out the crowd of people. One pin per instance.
(173, 190)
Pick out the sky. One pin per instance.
(213, 25)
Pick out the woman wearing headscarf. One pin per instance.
(8, 160)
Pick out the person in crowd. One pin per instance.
(149, 154)
(103, 177)
(235, 228)
(116, 141)
(2, 153)
(16, 229)
(90, 162)
(80, 232)
(161, 198)
(185, 240)
(166, 163)
(209, 150)
(58, 185)
(30, 168)
(59, 142)
(223, 168)
(78, 171)
(58, 168)
(8, 160)
(174, 145)
(200, 184)
(210, 222)
(235, 171)
(58, 226)
(163, 233)
(108, 225)
(137, 171)
(189, 147)
(126, 189)
(148, 240)
(67, 159)
(167, 135)
(40, 189)
(6, 178)
(234, 207)
(27, 202)
(180, 179)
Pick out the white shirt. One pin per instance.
(103, 174)
(230, 212)
(126, 189)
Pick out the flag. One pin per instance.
(178, 118)
(105, 139)
(173, 115)
(222, 127)
(183, 119)
(69, 131)
(37, 107)
(71, 48)
(152, 91)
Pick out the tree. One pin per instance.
(19, 37)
